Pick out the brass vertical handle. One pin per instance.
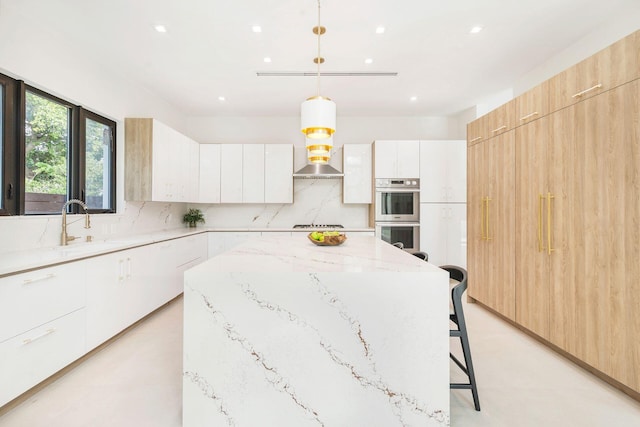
(540, 202)
(482, 220)
(487, 219)
(549, 248)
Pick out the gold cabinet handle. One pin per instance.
(549, 248)
(540, 202)
(482, 236)
(528, 116)
(579, 94)
(475, 139)
(487, 219)
(499, 129)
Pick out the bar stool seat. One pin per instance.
(457, 317)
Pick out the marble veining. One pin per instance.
(328, 346)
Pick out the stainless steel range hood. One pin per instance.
(316, 170)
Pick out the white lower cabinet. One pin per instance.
(52, 316)
(31, 357)
(31, 299)
(443, 233)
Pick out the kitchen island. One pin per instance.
(280, 332)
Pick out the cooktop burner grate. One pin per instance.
(328, 226)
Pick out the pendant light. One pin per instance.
(318, 114)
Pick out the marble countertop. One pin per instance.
(278, 331)
(22, 261)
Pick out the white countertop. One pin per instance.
(278, 331)
(22, 261)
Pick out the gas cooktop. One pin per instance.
(328, 226)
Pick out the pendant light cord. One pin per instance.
(318, 57)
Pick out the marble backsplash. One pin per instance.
(315, 201)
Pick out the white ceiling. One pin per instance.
(210, 50)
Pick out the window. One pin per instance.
(97, 135)
(47, 133)
(53, 151)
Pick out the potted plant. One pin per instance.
(192, 217)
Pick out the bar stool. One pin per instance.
(460, 274)
(399, 245)
(422, 255)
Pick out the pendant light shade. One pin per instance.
(318, 117)
(319, 150)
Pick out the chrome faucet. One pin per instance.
(87, 221)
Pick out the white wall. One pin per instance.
(349, 130)
(44, 59)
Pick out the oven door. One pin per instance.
(408, 233)
(397, 205)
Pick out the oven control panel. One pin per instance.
(412, 183)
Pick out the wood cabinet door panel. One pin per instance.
(531, 255)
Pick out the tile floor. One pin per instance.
(136, 381)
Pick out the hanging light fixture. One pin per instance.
(318, 113)
(319, 151)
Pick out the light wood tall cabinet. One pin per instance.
(490, 221)
(576, 215)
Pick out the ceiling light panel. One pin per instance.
(160, 28)
(256, 29)
(380, 29)
(475, 30)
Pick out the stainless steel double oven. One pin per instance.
(397, 211)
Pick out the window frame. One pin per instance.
(11, 188)
(14, 150)
(82, 150)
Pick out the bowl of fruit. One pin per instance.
(327, 238)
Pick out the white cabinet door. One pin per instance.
(161, 180)
(231, 173)
(397, 159)
(408, 159)
(443, 171)
(278, 173)
(386, 159)
(253, 173)
(193, 172)
(443, 233)
(33, 356)
(31, 299)
(357, 182)
(209, 173)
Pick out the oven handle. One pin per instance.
(397, 190)
(398, 224)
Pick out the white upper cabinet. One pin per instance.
(397, 159)
(443, 171)
(256, 173)
(231, 173)
(278, 173)
(161, 164)
(253, 173)
(357, 182)
(209, 184)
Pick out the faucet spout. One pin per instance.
(65, 238)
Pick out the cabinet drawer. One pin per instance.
(31, 299)
(33, 356)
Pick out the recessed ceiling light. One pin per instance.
(413, 98)
(267, 59)
(475, 30)
(160, 28)
(222, 98)
(368, 61)
(256, 29)
(380, 30)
